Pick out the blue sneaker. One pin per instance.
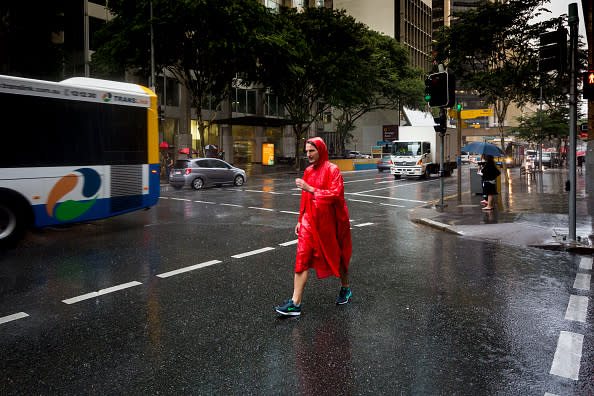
(289, 309)
(344, 296)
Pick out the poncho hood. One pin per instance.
(322, 149)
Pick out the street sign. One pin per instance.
(470, 114)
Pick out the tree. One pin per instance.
(205, 44)
(310, 58)
(549, 125)
(384, 81)
(492, 50)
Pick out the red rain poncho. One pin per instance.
(324, 241)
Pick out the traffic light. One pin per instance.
(439, 89)
(552, 53)
(441, 123)
(588, 87)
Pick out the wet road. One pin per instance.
(179, 299)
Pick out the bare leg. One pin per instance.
(298, 286)
(344, 278)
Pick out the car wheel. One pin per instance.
(238, 181)
(197, 183)
(397, 177)
(380, 170)
(12, 223)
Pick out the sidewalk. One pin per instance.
(532, 210)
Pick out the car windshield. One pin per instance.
(182, 164)
(406, 148)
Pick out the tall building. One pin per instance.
(408, 21)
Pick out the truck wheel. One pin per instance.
(12, 223)
(426, 174)
(396, 177)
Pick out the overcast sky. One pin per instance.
(558, 7)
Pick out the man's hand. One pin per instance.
(303, 185)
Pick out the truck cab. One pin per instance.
(411, 158)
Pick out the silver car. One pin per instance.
(203, 172)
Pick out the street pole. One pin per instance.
(152, 83)
(573, 38)
(459, 140)
(442, 115)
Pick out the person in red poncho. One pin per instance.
(324, 230)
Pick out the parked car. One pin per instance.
(204, 172)
(385, 163)
(464, 157)
(357, 154)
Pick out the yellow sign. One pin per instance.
(267, 153)
(470, 114)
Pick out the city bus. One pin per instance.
(73, 151)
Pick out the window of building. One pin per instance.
(171, 92)
(273, 5)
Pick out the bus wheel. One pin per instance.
(12, 223)
(197, 183)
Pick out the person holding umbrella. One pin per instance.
(490, 174)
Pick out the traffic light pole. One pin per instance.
(573, 38)
(442, 115)
(459, 140)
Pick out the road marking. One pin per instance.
(577, 308)
(393, 186)
(294, 241)
(206, 202)
(242, 255)
(10, 318)
(582, 282)
(397, 206)
(266, 209)
(187, 269)
(359, 200)
(393, 198)
(586, 263)
(289, 212)
(363, 224)
(101, 292)
(566, 362)
(181, 199)
(226, 204)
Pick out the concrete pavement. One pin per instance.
(532, 210)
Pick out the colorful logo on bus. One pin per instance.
(106, 97)
(70, 209)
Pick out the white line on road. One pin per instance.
(206, 202)
(101, 292)
(181, 199)
(226, 204)
(586, 263)
(582, 282)
(289, 212)
(10, 318)
(566, 362)
(266, 209)
(397, 206)
(242, 255)
(294, 241)
(187, 269)
(363, 224)
(577, 308)
(359, 200)
(379, 196)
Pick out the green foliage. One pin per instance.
(546, 125)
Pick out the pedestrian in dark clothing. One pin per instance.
(490, 174)
(168, 166)
(580, 163)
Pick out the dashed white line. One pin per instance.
(577, 308)
(396, 206)
(363, 224)
(228, 204)
(206, 202)
(566, 362)
(586, 263)
(10, 318)
(187, 269)
(181, 199)
(258, 251)
(101, 292)
(289, 212)
(582, 282)
(289, 243)
(359, 200)
(265, 209)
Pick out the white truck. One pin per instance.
(416, 152)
